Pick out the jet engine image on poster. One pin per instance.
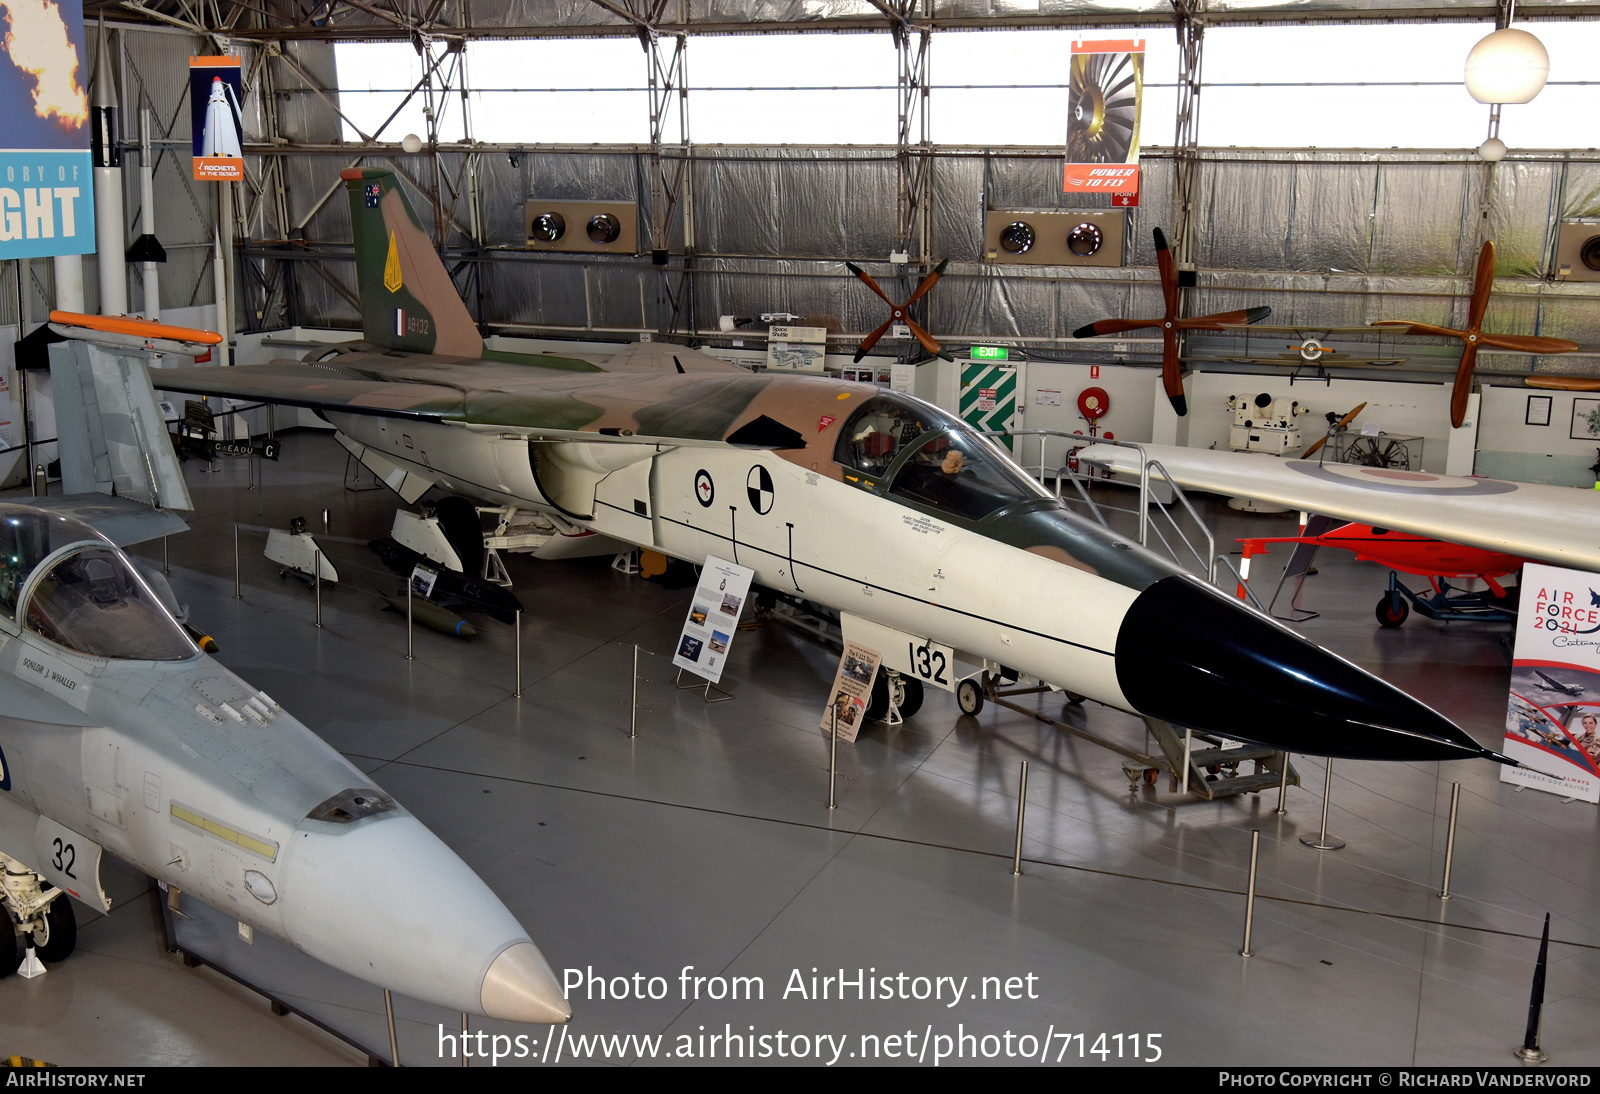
(1103, 101)
(46, 182)
(216, 122)
(1553, 715)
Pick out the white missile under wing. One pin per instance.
(1554, 524)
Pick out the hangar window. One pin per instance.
(548, 91)
(1395, 85)
(792, 89)
(374, 80)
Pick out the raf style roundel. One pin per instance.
(703, 490)
(759, 486)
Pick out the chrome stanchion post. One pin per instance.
(316, 581)
(1250, 892)
(517, 626)
(833, 756)
(1283, 785)
(1450, 840)
(1188, 747)
(166, 567)
(1323, 841)
(633, 709)
(410, 655)
(236, 594)
(326, 530)
(1022, 802)
(388, 1013)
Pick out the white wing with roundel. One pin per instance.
(1555, 524)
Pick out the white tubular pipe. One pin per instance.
(150, 271)
(69, 282)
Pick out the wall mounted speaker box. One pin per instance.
(587, 227)
(1054, 237)
(1578, 250)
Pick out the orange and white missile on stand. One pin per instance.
(121, 330)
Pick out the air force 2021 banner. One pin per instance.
(46, 184)
(1553, 715)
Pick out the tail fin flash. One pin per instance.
(408, 301)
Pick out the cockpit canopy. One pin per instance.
(931, 458)
(85, 597)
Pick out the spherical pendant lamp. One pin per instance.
(1509, 66)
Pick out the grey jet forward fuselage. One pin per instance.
(116, 732)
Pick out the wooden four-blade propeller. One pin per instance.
(1474, 336)
(901, 313)
(1171, 324)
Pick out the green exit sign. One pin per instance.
(989, 353)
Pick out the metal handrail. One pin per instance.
(1206, 558)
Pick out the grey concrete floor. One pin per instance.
(707, 842)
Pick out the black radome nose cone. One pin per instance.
(1190, 655)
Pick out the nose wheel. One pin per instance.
(969, 695)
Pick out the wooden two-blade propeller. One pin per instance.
(1342, 423)
(1474, 336)
(1171, 325)
(901, 313)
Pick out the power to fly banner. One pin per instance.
(1104, 97)
(1553, 713)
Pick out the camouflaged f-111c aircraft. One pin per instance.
(915, 527)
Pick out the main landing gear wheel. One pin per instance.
(969, 696)
(878, 701)
(60, 935)
(910, 697)
(1392, 610)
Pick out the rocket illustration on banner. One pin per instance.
(221, 128)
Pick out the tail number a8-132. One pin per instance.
(932, 664)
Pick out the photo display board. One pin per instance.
(713, 618)
(1553, 713)
(852, 688)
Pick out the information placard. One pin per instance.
(713, 618)
(852, 688)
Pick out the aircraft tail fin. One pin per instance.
(111, 435)
(408, 301)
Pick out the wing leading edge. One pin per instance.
(1553, 524)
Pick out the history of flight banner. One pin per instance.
(1553, 714)
(46, 181)
(1103, 101)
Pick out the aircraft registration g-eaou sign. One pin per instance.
(1554, 709)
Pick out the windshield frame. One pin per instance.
(1031, 491)
(46, 566)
